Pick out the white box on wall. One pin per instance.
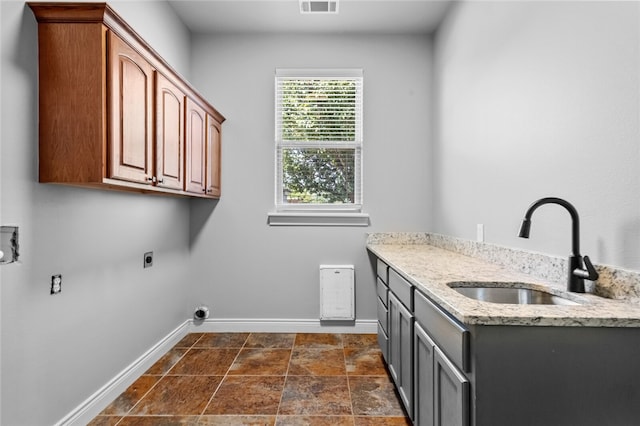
(337, 292)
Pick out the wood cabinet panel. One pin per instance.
(213, 184)
(131, 79)
(196, 146)
(62, 88)
(202, 154)
(170, 104)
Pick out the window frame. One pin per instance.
(317, 210)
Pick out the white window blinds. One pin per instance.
(318, 139)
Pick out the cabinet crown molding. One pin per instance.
(71, 12)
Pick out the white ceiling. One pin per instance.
(283, 16)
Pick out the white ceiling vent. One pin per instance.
(318, 6)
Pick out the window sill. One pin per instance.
(317, 219)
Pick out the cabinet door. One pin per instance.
(169, 134)
(401, 350)
(394, 337)
(451, 393)
(213, 157)
(195, 179)
(131, 113)
(423, 378)
(383, 329)
(383, 343)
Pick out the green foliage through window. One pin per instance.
(318, 175)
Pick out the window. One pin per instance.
(318, 140)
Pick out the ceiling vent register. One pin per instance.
(318, 6)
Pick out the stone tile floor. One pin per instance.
(262, 379)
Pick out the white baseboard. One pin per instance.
(92, 406)
(97, 402)
(241, 325)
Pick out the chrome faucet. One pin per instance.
(577, 272)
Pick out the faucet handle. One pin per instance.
(590, 273)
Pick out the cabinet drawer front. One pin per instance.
(448, 334)
(383, 342)
(383, 291)
(381, 270)
(401, 288)
(383, 315)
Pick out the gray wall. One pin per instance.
(538, 99)
(58, 350)
(242, 267)
(533, 99)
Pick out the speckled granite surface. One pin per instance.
(432, 261)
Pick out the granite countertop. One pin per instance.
(431, 268)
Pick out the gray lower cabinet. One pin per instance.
(450, 392)
(383, 329)
(383, 308)
(423, 378)
(419, 342)
(449, 373)
(400, 359)
(441, 354)
(441, 390)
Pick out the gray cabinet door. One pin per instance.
(423, 378)
(401, 350)
(451, 393)
(393, 362)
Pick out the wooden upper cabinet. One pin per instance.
(196, 148)
(213, 187)
(203, 152)
(113, 114)
(170, 147)
(131, 82)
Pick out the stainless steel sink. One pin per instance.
(511, 295)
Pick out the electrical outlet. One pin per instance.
(56, 284)
(148, 260)
(480, 233)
